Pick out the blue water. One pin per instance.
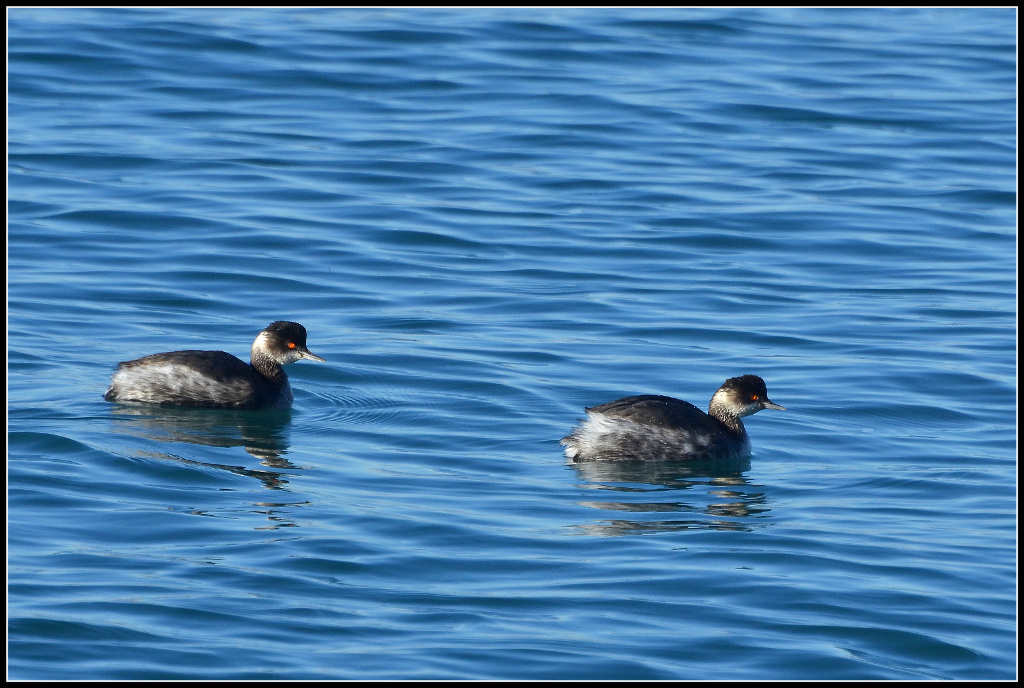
(488, 220)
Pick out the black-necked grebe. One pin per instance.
(654, 427)
(216, 379)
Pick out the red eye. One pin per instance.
(753, 397)
(291, 345)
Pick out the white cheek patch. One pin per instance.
(262, 348)
(262, 341)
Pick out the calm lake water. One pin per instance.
(488, 220)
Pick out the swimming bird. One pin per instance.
(655, 427)
(216, 379)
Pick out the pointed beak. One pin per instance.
(772, 405)
(306, 353)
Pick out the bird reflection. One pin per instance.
(706, 495)
(261, 434)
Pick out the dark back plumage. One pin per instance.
(658, 411)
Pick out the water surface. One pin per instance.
(488, 220)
